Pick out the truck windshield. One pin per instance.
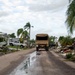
(42, 38)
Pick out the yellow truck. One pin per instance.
(42, 41)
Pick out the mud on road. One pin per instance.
(47, 64)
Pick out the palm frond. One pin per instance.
(27, 26)
(71, 17)
(19, 31)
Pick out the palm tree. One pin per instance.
(19, 31)
(71, 17)
(23, 34)
(28, 27)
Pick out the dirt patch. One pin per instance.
(15, 63)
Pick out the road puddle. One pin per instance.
(22, 69)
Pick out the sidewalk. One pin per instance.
(61, 57)
(9, 61)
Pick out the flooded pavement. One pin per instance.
(22, 69)
(43, 63)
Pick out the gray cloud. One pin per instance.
(3, 13)
(48, 7)
(42, 7)
(1, 21)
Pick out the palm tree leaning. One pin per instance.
(19, 31)
(22, 34)
(28, 27)
(71, 17)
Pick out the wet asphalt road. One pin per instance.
(47, 64)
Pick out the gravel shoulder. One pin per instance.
(9, 61)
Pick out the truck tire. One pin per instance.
(46, 48)
(37, 49)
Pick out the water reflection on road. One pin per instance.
(22, 69)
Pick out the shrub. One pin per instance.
(5, 49)
(68, 56)
(72, 58)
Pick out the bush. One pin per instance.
(68, 56)
(72, 58)
(5, 49)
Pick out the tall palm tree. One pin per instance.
(23, 34)
(71, 17)
(28, 27)
(19, 31)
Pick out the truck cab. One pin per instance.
(42, 41)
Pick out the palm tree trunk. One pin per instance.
(17, 45)
(29, 37)
(29, 33)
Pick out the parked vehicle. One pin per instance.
(42, 41)
(3, 40)
(16, 42)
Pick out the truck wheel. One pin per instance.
(36, 48)
(46, 48)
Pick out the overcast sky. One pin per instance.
(47, 16)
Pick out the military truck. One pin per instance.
(42, 41)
